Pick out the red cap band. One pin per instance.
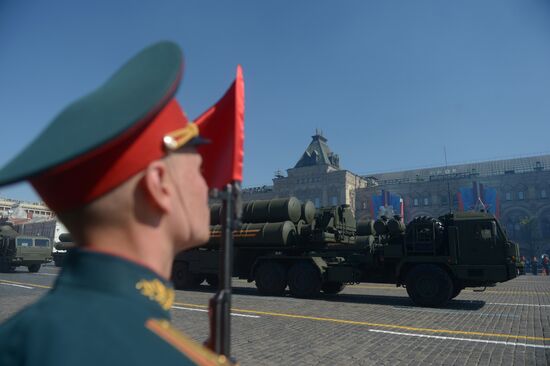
(87, 177)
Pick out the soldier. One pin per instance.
(120, 169)
(534, 265)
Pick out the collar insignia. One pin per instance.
(157, 291)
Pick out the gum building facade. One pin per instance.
(516, 190)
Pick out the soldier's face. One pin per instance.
(193, 216)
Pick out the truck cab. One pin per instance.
(480, 252)
(21, 250)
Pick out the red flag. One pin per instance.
(223, 125)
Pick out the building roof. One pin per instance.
(481, 169)
(318, 153)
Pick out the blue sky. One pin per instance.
(390, 83)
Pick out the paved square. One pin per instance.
(367, 324)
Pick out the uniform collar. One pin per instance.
(113, 275)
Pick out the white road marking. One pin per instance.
(45, 274)
(515, 344)
(206, 311)
(13, 284)
(506, 304)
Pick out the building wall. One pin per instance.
(322, 184)
(522, 196)
(522, 185)
(32, 209)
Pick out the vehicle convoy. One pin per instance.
(61, 248)
(283, 242)
(22, 250)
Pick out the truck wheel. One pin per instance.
(183, 279)
(456, 292)
(457, 288)
(429, 285)
(33, 268)
(270, 278)
(304, 280)
(331, 288)
(212, 280)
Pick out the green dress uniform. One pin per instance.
(103, 310)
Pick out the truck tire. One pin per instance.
(33, 268)
(183, 279)
(456, 292)
(429, 285)
(213, 280)
(332, 288)
(457, 288)
(270, 278)
(304, 280)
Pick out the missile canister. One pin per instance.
(364, 240)
(275, 210)
(380, 226)
(65, 238)
(396, 226)
(308, 212)
(259, 234)
(365, 228)
(215, 213)
(303, 228)
(64, 245)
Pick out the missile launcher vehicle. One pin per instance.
(62, 247)
(283, 243)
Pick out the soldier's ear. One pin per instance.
(157, 186)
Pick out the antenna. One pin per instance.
(447, 178)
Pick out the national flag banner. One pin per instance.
(479, 197)
(223, 125)
(386, 204)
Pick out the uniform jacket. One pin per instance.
(103, 310)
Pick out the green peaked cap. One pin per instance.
(129, 99)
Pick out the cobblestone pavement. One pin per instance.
(367, 324)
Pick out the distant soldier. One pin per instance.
(534, 265)
(120, 169)
(522, 265)
(546, 264)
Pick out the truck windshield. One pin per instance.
(24, 242)
(500, 234)
(41, 243)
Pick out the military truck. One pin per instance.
(61, 248)
(285, 243)
(22, 250)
